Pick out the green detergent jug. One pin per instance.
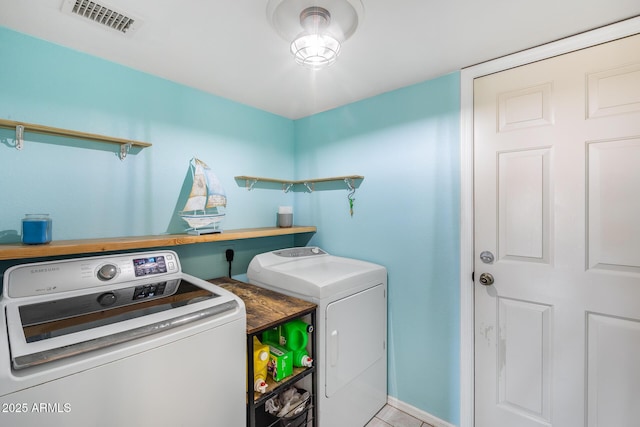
(294, 336)
(272, 335)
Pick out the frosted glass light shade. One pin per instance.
(314, 29)
(315, 50)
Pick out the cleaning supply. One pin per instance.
(272, 335)
(301, 359)
(260, 362)
(294, 336)
(280, 362)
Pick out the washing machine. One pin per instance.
(120, 340)
(351, 327)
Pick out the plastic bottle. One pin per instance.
(272, 335)
(295, 334)
(260, 361)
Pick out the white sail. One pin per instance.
(215, 193)
(198, 196)
(206, 196)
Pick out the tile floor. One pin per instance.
(392, 417)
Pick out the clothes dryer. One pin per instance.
(351, 326)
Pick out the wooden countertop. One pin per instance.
(265, 308)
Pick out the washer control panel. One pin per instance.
(82, 273)
(300, 252)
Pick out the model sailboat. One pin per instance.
(207, 197)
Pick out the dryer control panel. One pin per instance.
(300, 252)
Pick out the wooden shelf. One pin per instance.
(71, 247)
(265, 308)
(250, 181)
(48, 130)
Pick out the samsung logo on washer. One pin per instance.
(44, 270)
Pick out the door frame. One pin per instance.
(583, 40)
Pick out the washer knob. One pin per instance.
(107, 299)
(107, 272)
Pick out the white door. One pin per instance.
(557, 202)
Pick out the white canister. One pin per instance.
(285, 216)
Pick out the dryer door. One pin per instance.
(355, 336)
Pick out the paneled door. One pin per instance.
(557, 241)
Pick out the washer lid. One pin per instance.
(42, 330)
(318, 276)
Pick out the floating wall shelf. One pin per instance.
(21, 127)
(287, 185)
(72, 247)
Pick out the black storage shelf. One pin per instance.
(256, 415)
(267, 309)
(305, 418)
(281, 385)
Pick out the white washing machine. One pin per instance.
(351, 326)
(120, 340)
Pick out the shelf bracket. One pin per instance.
(310, 188)
(124, 150)
(350, 184)
(250, 186)
(19, 137)
(286, 187)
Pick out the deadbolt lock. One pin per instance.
(487, 257)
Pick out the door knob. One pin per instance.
(486, 279)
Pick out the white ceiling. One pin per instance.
(227, 47)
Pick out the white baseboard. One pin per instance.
(417, 413)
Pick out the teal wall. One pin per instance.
(89, 192)
(406, 215)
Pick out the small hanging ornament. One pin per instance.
(352, 190)
(351, 200)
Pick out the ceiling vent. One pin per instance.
(102, 14)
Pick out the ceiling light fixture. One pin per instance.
(317, 27)
(315, 47)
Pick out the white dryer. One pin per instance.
(351, 326)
